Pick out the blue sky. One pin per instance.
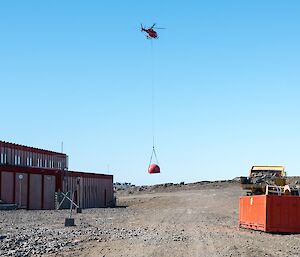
(226, 82)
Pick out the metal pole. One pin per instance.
(20, 191)
(78, 191)
(72, 202)
(20, 196)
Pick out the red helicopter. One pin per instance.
(150, 31)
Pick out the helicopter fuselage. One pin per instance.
(151, 33)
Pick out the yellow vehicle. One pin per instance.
(261, 176)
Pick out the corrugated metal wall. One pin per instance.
(28, 191)
(19, 155)
(34, 188)
(90, 192)
(29, 177)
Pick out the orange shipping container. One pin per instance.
(270, 213)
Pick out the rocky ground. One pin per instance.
(199, 219)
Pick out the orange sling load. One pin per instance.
(153, 166)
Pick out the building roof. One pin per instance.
(28, 148)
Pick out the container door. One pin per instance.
(35, 192)
(49, 192)
(7, 180)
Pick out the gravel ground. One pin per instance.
(200, 219)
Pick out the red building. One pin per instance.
(30, 177)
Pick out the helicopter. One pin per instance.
(152, 34)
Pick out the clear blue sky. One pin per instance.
(226, 77)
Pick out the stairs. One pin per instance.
(7, 206)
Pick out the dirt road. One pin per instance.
(198, 222)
